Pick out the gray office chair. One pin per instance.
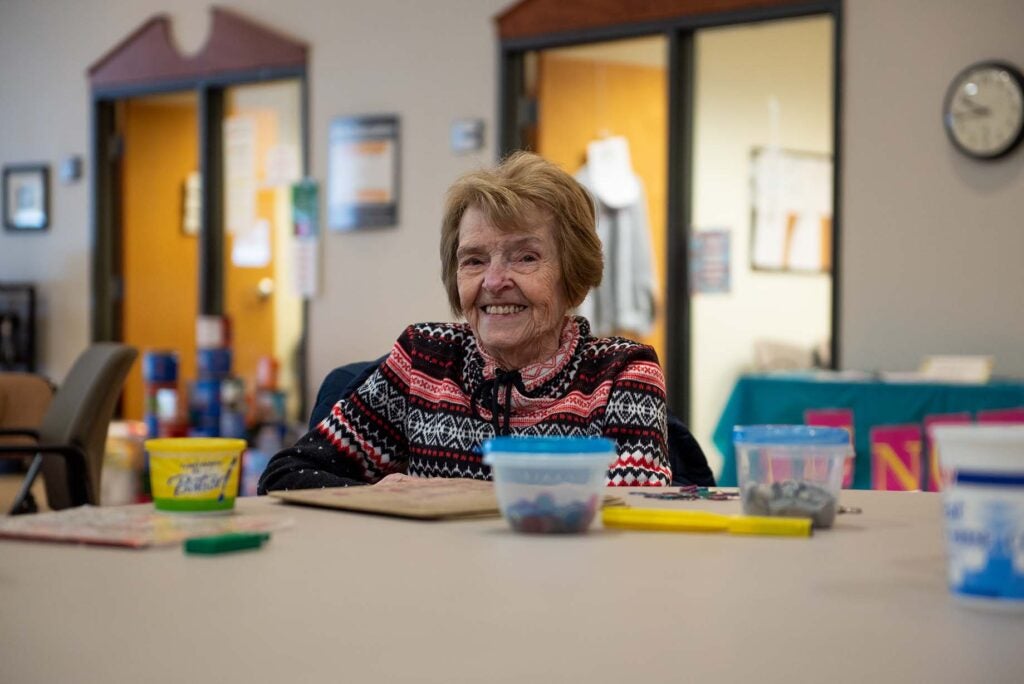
(71, 439)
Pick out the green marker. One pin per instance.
(226, 543)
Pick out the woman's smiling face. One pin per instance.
(510, 288)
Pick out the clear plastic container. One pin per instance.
(791, 470)
(549, 484)
(983, 496)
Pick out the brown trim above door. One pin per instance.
(148, 55)
(532, 18)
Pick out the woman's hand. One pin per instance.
(394, 478)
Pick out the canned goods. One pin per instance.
(160, 366)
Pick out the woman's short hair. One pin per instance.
(509, 195)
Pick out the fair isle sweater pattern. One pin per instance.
(425, 411)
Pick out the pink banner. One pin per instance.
(935, 478)
(841, 418)
(1011, 416)
(896, 457)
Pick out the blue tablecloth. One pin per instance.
(760, 399)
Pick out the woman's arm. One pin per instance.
(635, 417)
(312, 462)
(361, 440)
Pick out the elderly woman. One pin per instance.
(518, 252)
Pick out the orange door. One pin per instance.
(159, 259)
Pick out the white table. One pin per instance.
(355, 598)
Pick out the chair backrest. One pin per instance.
(80, 414)
(339, 383)
(24, 399)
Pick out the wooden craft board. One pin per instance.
(422, 499)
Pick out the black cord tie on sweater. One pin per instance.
(490, 390)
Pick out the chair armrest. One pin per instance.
(19, 432)
(68, 451)
(74, 457)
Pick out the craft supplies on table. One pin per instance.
(226, 543)
(136, 526)
(670, 520)
(549, 484)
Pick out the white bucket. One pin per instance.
(983, 466)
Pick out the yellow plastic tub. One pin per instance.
(194, 474)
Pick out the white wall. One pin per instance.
(932, 241)
(932, 245)
(761, 85)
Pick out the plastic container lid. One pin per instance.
(194, 444)
(790, 435)
(543, 446)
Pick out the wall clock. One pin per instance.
(984, 110)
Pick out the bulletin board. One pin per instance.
(791, 211)
(362, 172)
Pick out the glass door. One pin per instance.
(262, 147)
(762, 207)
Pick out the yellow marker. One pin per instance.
(670, 520)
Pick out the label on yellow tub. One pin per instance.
(199, 474)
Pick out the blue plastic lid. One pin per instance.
(584, 446)
(799, 435)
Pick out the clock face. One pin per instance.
(984, 110)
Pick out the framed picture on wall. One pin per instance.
(17, 327)
(362, 172)
(26, 197)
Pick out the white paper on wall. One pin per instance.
(240, 172)
(281, 166)
(305, 267)
(792, 212)
(251, 248)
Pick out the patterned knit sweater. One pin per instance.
(428, 408)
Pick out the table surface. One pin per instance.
(349, 597)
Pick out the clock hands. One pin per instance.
(973, 109)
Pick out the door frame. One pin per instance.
(679, 32)
(257, 55)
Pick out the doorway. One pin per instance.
(193, 160)
(761, 281)
(718, 114)
(161, 250)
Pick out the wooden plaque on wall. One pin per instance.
(531, 18)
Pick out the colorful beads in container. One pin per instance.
(542, 514)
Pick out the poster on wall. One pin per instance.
(709, 262)
(362, 172)
(305, 237)
(791, 218)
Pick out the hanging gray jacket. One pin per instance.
(624, 301)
